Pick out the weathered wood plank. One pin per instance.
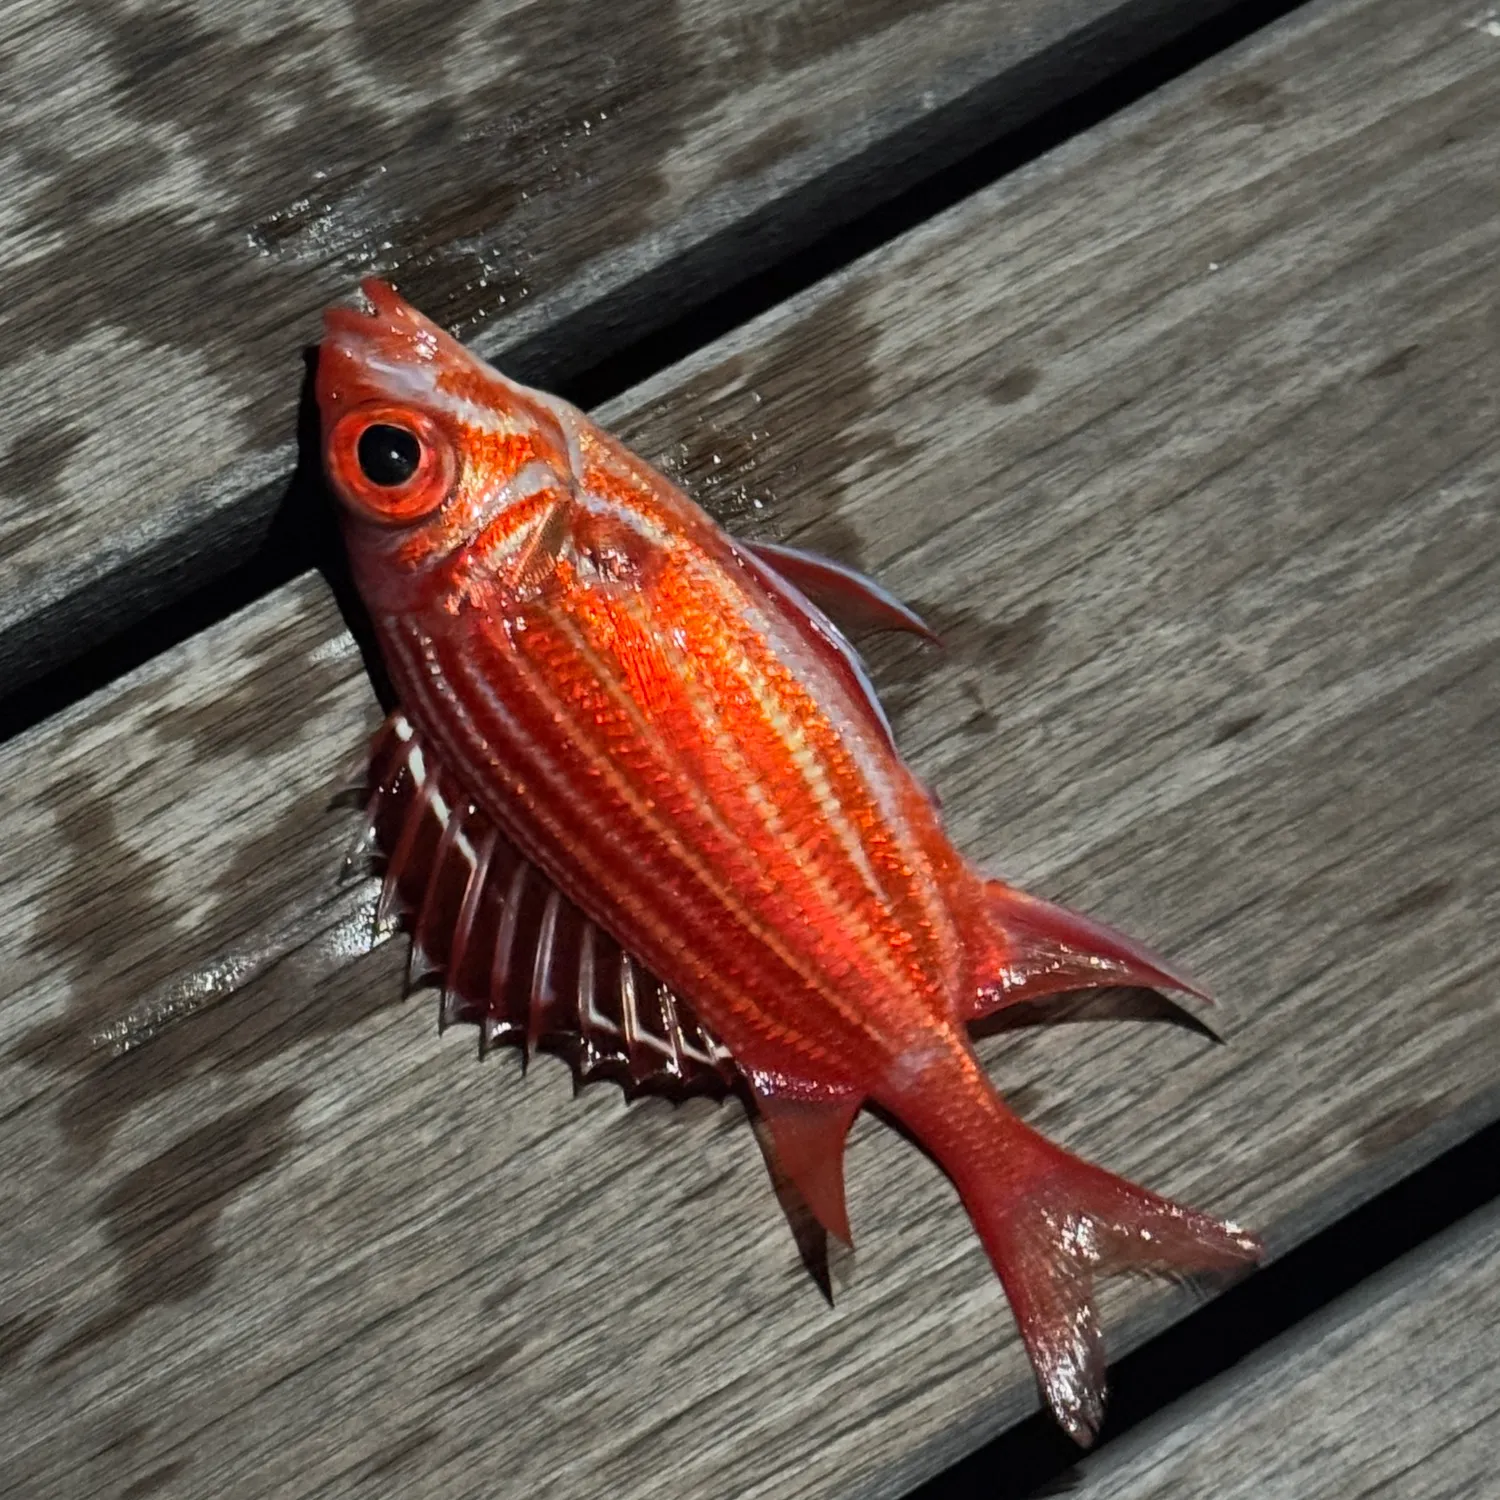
(1394, 1390)
(1218, 554)
(184, 189)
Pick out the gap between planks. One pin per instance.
(187, 193)
(1392, 1389)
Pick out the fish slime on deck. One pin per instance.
(639, 803)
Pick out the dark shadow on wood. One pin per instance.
(1096, 1005)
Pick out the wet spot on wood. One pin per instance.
(1028, 1100)
(770, 441)
(18, 1334)
(483, 1371)
(104, 894)
(1427, 896)
(1394, 364)
(762, 151)
(464, 200)
(762, 43)
(1233, 728)
(35, 459)
(395, 1454)
(996, 646)
(309, 993)
(154, 1482)
(283, 838)
(161, 1220)
(1252, 99)
(1401, 1126)
(982, 719)
(574, 116)
(237, 721)
(699, 1189)
(833, 536)
(1013, 385)
(715, 456)
(407, 43)
(973, 645)
(497, 1300)
(824, 369)
(121, 1437)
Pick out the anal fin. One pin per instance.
(1041, 949)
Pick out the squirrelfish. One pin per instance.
(640, 803)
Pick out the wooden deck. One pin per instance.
(1187, 435)
(1395, 1389)
(187, 192)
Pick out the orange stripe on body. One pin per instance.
(555, 817)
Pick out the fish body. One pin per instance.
(633, 756)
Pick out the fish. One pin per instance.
(638, 803)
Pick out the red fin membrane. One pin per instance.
(844, 595)
(1049, 1222)
(807, 1128)
(1042, 949)
(512, 954)
(808, 1233)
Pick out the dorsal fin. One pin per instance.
(510, 952)
(1037, 949)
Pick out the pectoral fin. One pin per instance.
(844, 595)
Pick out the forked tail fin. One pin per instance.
(1049, 1221)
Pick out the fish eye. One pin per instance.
(388, 455)
(391, 464)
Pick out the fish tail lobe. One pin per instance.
(1050, 1222)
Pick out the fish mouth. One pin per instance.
(384, 309)
(384, 350)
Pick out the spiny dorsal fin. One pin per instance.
(511, 953)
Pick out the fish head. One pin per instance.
(425, 445)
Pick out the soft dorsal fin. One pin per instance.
(807, 1127)
(512, 954)
(822, 634)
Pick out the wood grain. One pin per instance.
(1394, 1390)
(185, 186)
(1219, 560)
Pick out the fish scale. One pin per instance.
(641, 805)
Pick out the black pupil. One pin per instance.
(388, 455)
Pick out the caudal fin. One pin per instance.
(1050, 1221)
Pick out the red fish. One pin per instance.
(640, 804)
